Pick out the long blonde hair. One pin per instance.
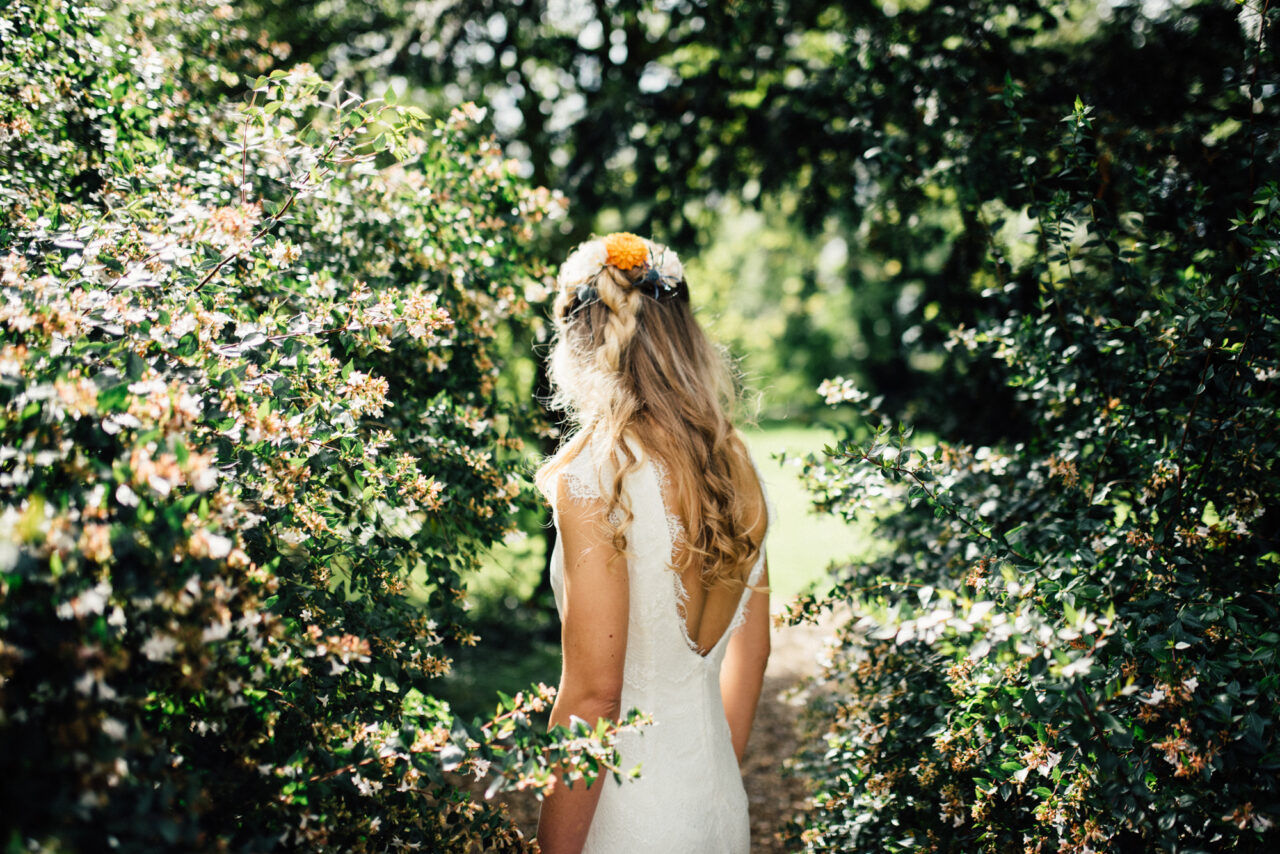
(630, 363)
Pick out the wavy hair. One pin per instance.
(630, 363)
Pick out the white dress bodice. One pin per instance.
(689, 796)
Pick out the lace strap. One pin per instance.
(588, 471)
(582, 483)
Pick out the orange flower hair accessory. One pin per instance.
(625, 250)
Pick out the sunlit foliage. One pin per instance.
(251, 440)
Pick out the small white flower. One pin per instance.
(159, 484)
(583, 263)
(159, 647)
(185, 323)
(216, 631)
(292, 536)
(204, 479)
(1156, 698)
(152, 386)
(841, 390)
(219, 546)
(668, 264)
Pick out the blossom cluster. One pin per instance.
(251, 441)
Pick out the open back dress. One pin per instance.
(689, 796)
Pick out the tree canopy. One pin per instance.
(870, 120)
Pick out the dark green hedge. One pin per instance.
(1071, 641)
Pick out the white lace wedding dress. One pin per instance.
(689, 798)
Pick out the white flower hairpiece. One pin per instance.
(583, 264)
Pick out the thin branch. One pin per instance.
(1111, 439)
(933, 497)
(244, 151)
(1253, 85)
(297, 189)
(1088, 711)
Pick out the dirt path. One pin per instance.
(773, 795)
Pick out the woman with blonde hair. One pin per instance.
(658, 571)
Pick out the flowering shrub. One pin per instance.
(1071, 643)
(251, 440)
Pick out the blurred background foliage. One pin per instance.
(829, 120)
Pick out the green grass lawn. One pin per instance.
(801, 543)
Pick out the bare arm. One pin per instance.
(744, 661)
(594, 638)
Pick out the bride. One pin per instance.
(658, 571)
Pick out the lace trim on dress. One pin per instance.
(675, 532)
(675, 528)
(584, 474)
(770, 515)
(740, 616)
(580, 489)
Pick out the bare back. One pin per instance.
(707, 612)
